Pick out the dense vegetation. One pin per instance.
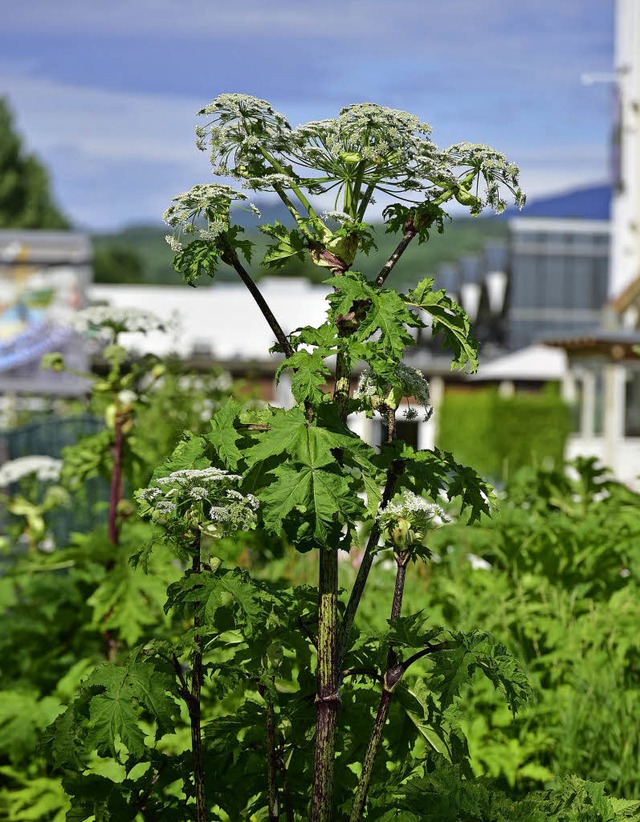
(498, 435)
(270, 619)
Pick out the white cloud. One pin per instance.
(102, 124)
(118, 157)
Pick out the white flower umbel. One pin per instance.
(408, 518)
(384, 393)
(205, 499)
(203, 213)
(45, 469)
(109, 321)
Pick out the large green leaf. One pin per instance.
(379, 314)
(450, 318)
(214, 590)
(224, 436)
(323, 497)
(115, 709)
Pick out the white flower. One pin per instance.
(46, 469)
(411, 506)
(127, 397)
(176, 502)
(408, 518)
(478, 563)
(113, 320)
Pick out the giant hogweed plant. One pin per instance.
(295, 710)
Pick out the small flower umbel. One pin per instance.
(407, 520)
(385, 393)
(110, 321)
(198, 500)
(31, 503)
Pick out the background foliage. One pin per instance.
(499, 435)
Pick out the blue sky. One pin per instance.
(107, 93)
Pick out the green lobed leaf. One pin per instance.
(215, 590)
(288, 243)
(224, 436)
(448, 317)
(377, 312)
(310, 374)
(198, 258)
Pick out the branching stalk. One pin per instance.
(231, 258)
(392, 677)
(409, 233)
(359, 585)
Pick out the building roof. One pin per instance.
(536, 363)
(619, 345)
(221, 320)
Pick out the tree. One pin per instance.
(25, 196)
(117, 264)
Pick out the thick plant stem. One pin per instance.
(362, 790)
(110, 641)
(391, 679)
(115, 491)
(194, 701)
(272, 758)
(327, 695)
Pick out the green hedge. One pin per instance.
(498, 435)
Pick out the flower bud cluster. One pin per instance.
(382, 393)
(408, 518)
(203, 499)
(202, 212)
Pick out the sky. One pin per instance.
(106, 94)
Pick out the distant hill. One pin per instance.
(462, 236)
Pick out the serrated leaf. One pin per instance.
(434, 471)
(115, 709)
(478, 650)
(213, 591)
(288, 243)
(128, 600)
(224, 435)
(188, 453)
(196, 259)
(114, 720)
(448, 317)
(310, 374)
(322, 496)
(378, 313)
(311, 444)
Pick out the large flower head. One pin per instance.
(198, 499)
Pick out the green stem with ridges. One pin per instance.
(327, 695)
